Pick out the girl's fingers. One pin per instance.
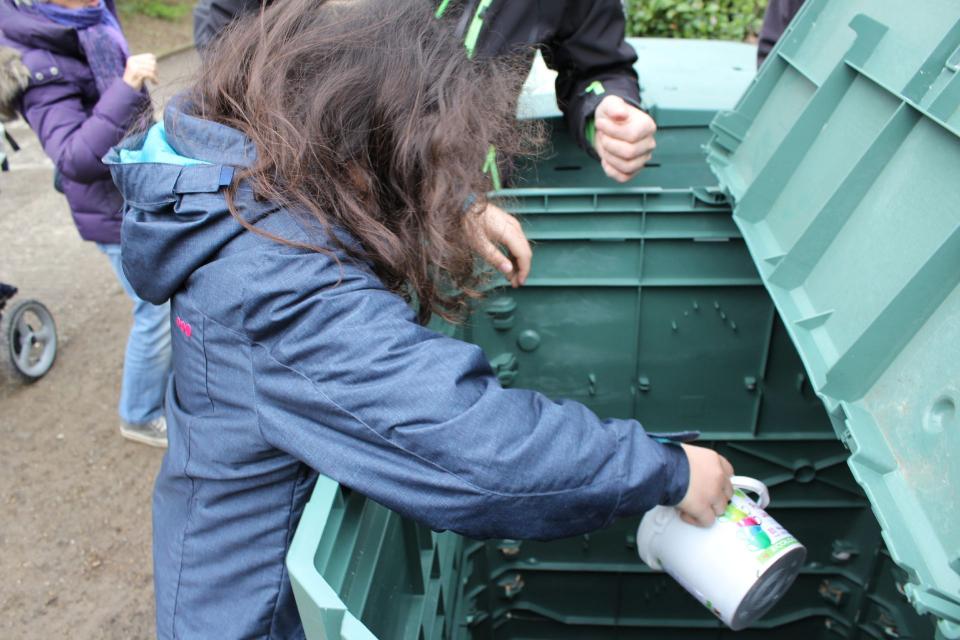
(704, 519)
(727, 467)
(518, 246)
(500, 228)
(495, 258)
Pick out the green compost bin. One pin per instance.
(643, 302)
(843, 160)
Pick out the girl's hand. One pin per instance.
(709, 490)
(494, 227)
(139, 68)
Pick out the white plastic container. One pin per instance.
(738, 568)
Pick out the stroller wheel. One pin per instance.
(28, 340)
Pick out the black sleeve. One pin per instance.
(210, 17)
(590, 48)
(778, 15)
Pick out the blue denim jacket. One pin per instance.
(287, 363)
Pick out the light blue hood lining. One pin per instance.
(156, 149)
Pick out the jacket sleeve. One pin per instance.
(211, 17)
(73, 141)
(347, 382)
(593, 60)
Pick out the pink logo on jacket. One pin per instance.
(184, 327)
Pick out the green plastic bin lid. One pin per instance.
(843, 160)
(682, 82)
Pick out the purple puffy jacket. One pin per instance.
(60, 102)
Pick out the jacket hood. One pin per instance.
(14, 78)
(175, 216)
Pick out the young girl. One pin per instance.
(316, 178)
(65, 67)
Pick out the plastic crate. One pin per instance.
(360, 572)
(843, 160)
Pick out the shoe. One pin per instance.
(153, 433)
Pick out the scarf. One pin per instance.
(100, 36)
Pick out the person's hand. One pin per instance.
(139, 68)
(709, 490)
(494, 227)
(624, 137)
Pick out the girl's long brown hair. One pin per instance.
(368, 115)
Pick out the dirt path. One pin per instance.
(74, 496)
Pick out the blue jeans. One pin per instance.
(146, 365)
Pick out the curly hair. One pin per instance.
(369, 116)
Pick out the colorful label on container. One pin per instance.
(760, 533)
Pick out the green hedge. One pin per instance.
(713, 19)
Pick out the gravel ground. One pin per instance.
(74, 496)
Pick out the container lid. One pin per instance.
(682, 82)
(843, 160)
